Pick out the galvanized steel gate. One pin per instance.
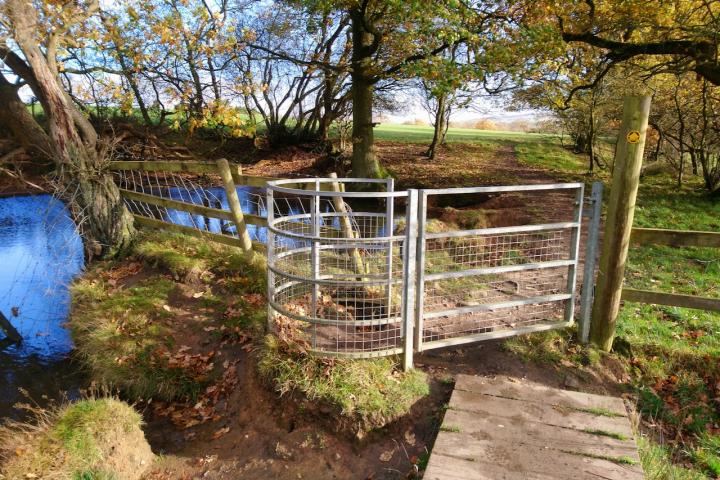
(480, 283)
(354, 284)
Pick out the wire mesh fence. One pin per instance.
(498, 280)
(342, 277)
(336, 274)
(144, 191)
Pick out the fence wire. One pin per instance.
(202, 190)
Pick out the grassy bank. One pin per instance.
(98, 439)
(165, 324)
(363, 394)
(141, 324)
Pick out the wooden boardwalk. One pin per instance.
(497, 429)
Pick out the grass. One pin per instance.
(671, 353)
(127, 334)
(422, 133)
(657, 463)
(370, 393)
(605, 433)
(94, 438)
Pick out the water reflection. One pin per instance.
(40, 254)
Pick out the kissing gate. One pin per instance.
(372, 273)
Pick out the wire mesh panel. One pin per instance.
(335, 261)
(503, 264)
(170, 197)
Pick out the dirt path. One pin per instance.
(267, 437)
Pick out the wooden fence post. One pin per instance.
(10, 332)
(346, 225)
(618, 225)
(234, 203)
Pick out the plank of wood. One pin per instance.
(531, 392)
(482, 434)
(671, 299)
(443, 467)
(461, 456)
(674, 238)
(489, 406)
(215, 237)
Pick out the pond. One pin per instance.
(40, 254)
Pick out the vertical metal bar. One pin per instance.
(408, 317)
(591, 249)
(574, 250)
(315, 256)
(270, 257)
(389, 226)
(420, 270)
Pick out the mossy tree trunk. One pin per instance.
(89, 190)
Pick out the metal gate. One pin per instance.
(496, 281)
(363, 283)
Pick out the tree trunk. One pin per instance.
(94, 200)
(439, 125)
(15, 118)
(364, 161)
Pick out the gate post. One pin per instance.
(574, 255)
(590, 261)
(420, 270)
(618, 225)
(408, 307)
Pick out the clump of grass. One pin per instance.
(119, 335)
(166, 254)
(707, 454)
(372, 392)
(657, 463)
(95, 438)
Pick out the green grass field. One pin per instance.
(421, 133)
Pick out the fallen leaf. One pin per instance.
(220, 433)
(387, 455)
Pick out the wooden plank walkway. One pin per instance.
(498, 429)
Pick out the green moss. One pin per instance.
(450, 428)
(374, 391)
(599, 411)
(605, 433)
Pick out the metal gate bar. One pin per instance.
(423, 277)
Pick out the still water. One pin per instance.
(40, 254)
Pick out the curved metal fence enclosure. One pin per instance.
(358, 269)
(335, 271)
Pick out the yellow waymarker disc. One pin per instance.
(633, 136)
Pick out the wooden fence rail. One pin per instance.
(673, 238)
(231, 177)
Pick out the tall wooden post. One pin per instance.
(346, 225)
(234, 203)
(618, 225)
